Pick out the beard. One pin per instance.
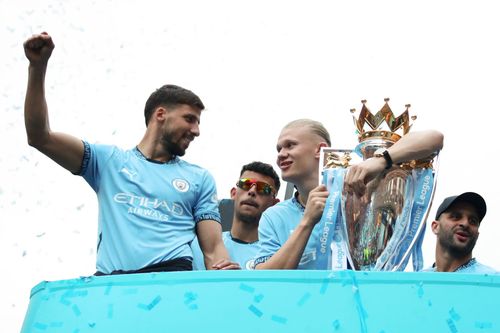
(171, 147)
(457, 250)
(248, 218)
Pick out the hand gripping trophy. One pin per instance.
(382, 229)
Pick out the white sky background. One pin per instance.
(256, 65)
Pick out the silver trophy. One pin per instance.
(384, 228)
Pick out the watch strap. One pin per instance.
(388, 159)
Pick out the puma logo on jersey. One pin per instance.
(130, 174)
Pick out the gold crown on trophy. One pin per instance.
(376, 123)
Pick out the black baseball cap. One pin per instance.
(473, 198)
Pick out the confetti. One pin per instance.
(110, 311)
(151, 305)
(455, 316)
(451, 326)
(40, 326)
(246, 288)
(76, 310)
(258, 298)
(304, 299)
(256, 311)
(278, 319)
(483, 325)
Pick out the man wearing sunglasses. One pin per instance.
(151, 203)
(254, 192)
(287, 231)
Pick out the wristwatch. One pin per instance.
(382, 152)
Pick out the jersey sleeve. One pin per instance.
(207, 205)
(95, 156)
(268, 238)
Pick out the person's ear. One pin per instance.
(318, 149)
(233, 193)
(160, 113)
(435, 227)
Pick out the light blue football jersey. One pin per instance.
(240, 252)
(275, 227)
(471, 267)
(147, 209)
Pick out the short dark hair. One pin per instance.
(171, 95)
(264, 169)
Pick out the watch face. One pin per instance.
(379, 152)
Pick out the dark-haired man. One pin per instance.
(457, 229)
(151, 203)
(255, 191)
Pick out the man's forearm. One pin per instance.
(35, 107)
(416, 145)
(289, 255)
(219, 254)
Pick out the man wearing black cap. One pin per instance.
(457, 229)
